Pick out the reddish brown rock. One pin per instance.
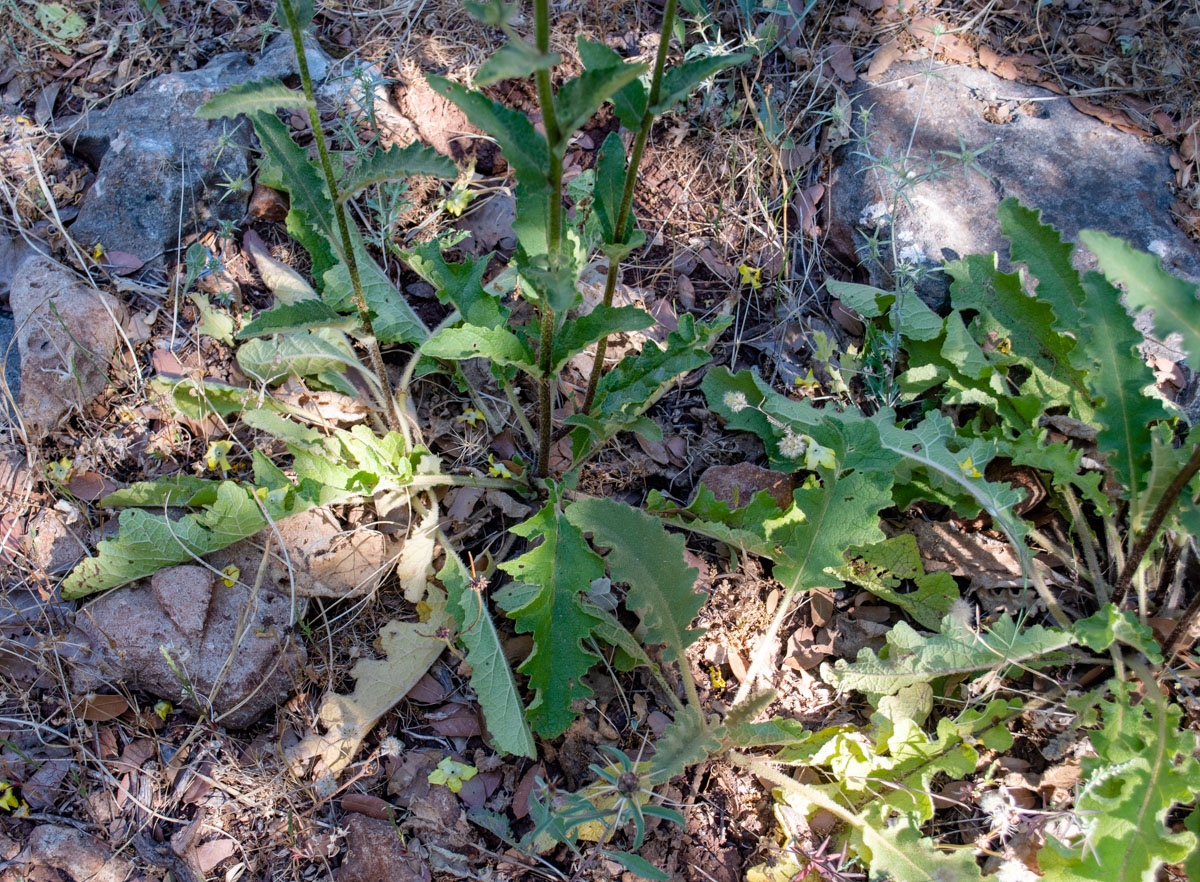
(737, 484)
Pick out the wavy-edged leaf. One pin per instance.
(882, 567)
(458, 283)
(644, 556)
(896, 848)
(928, 446)
(516, 59)
(397, 164)
(499, 345)
(392, 318)
(958, 649)
(1117, 375)
(581, 96)
(523, 146)
(743, 528)
(629, 101)
(147, 542)
(199, 398)
(296, 174)
(544, 601)
(259, 96)
(304, 315)
(1149, 286)
(1042, 248)
(686, 742)
(491, 677)
(1145, 766)
(176, 490)
(577, 334)
(917, 321)
(678, 82)
(301, 354)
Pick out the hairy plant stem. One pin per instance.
(390, 415)
(541, 12)
(1165, 503)
(635, 159)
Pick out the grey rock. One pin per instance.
(121, 637)
(10, 362)
(12, 252)
(154, 156)
(1078, 171)
(67, 333)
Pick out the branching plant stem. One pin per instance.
(553, 240)
(1165, 503)
(635, 159)
(390, 415)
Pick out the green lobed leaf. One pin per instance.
(497, 344)
(302, 354)
(458, 283)
(1042, 248)
(544, 601)
(259, 96)
(686, 742)
(523, 146)
(928, 446)
(516, 59)
(1028, 323)
(743, 528)
(199, 398)
(679, 82)
(304, 315)
(898, 850)
(396, 164)
(577, 334)
(1116, 377)
(882, 568)
(644, 556)
(147, 542)
(581, 96)
(491, 677)
(176, 490)
(1145, 766)
(629, 101)
(392, 318)
(1149, 286)
(958, 649)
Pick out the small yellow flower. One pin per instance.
(968, 468)
(715, 677)
(470, 416)
(809, 382)
(218, 456)
(497, 469)
(452, 774)
(816, 455)
(424, 611)
(60, 472)
(231, 574)
(1004, 347)
(8, 798)
(458, 200)
(162, 708)
(751, 275)
(98, 251)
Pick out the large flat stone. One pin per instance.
(1080, 172)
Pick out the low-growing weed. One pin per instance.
(967, 391)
